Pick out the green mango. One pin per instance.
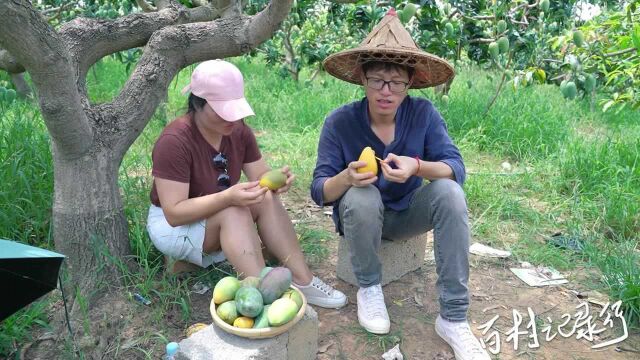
(261, 320)
(281, 312)
(578, 38)
(503, 44)
(570, 90)
(227, 312)
(544, 5)
(249, 301)
(449, 28)
(265, 270)
(502, 26)
(494, 50)
(250, 281)
(589, 83)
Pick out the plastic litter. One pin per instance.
(393, 354)
(141, 299)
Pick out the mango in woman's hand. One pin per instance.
(368, 156)
(273, 179)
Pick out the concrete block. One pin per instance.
(213, 343)
(397, 257)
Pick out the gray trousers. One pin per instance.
(438, 205)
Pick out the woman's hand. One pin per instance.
(290, 178)
(405, 168)
(354, 178)
(245, 194)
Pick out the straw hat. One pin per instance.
(389, 41)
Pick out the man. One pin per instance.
(411, 137)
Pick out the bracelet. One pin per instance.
(418, 160)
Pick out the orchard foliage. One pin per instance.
(588, 48)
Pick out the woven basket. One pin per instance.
(263, 333)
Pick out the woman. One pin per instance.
(200, 212)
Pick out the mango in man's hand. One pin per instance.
(368, 156)
(273, 179)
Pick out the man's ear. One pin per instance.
(363, 79)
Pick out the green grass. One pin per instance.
(572, 171)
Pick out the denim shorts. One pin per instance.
(184, 242)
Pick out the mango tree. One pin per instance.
(88, 140)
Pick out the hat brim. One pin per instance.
(231, 110)
(430, 70)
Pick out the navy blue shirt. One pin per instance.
(419, 131)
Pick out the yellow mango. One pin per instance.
(273, 179)
(225, 289)
(243, 322)
(368, 156)
(293, 295)
(282, 311)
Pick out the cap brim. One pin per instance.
(232, 110)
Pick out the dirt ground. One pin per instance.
(123, 329)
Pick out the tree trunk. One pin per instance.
(89, 225)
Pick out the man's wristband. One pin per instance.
(418, 169)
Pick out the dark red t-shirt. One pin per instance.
(182, 154)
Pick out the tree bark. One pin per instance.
(22, 88)
(90, 227)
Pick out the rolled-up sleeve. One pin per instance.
(330, 162)
(439, 147)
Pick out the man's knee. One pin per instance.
(449, 196)
(361, 202)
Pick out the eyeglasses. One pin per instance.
(220, 163)
(394, 86)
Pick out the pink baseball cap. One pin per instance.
(221, 84)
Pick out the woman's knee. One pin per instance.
(232, 215)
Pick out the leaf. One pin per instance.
(608, 105)
(635, 36)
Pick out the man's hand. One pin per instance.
(405, 168)
(290, 178)
(245, 194)
(356, 179)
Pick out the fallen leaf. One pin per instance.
(490, 308)
(418, 300)
(398, 302)
(325, 347)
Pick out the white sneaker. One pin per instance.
(459, 336)
(322, 294)
(372, 312)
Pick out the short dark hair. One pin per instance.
(195, 103)
(384, 65)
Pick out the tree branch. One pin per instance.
(145, 6)
(620, 52)
(92, 39)
(38, 48)
(9, 63)
(172, 48)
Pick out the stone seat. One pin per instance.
(213, 343)
(397, 258)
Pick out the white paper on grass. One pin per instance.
(540, 276)
(488, 251)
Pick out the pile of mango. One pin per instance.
(257, 302)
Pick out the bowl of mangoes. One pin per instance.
(257, 307)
